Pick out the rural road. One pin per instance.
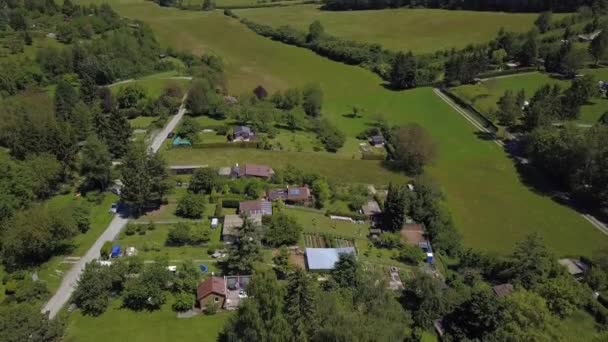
(70, 279)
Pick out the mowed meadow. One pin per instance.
(418, 30)
(490, 205)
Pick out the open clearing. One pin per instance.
(489, 204)
(118, 324)
(485, 96)
(419, 30)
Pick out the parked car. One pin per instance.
(114, 208)
(170, 135)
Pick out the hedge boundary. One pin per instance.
(487, 123)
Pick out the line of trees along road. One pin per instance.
(475, 5)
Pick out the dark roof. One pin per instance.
(371, 208)
(242, 129)
(255, 207)
(377, 139)
(298, 193)
(503, 290)
(212, 285)
(258, 170)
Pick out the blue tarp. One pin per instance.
(181, 142)
(204, 268)
(115, 251)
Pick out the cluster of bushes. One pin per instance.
(132, 101)
(132, 229)
(548, 105)
(423, 205)
(141, 287)
(184, 233)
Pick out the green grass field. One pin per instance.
(99, 220)
(418, 30)
(485, 96)
(118, 324)
(489, 204)
(155, 83)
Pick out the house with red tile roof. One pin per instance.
(212, 290)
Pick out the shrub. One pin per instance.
(191, 206)
(211, 309)
(179, 234)
(106, 249)
(218, 209)
(410, 254)
(131, 229)
(183, 302)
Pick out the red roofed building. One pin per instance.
(254, 170)
(212, 290)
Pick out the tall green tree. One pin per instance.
(300, 305)
(532, 263)
(395, 207)
(313, 100)
(346, 272)
(403, 71)
(543, 22)
(145, 178)
(509, 111)
(24, 322)
(96, 163)
(315, 31)
(599, 47)
(246, 251)
(413, 148)
(66, 98)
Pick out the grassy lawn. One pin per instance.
(485, 96)
(51, 271)
(126, 325)
(419, 30)
(334, 167)
(155, 83)
(142, 122)
(314, 222)
(489, 204)
(152, 245)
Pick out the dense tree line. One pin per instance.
(351, 306)
(401, 72)
(575, 158)
(475, 5)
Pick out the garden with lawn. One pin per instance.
(126, 325)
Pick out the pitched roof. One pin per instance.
(574, 267)
(325, 258)
(503, 290)
(258, 170)
(371, 208)
(413, 233)
(377, 139)
(255, 207)
(212, 285)
(242, 129)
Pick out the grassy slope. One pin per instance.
(118, 324)
(490, 205)
(485, 96)
(419, 30)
